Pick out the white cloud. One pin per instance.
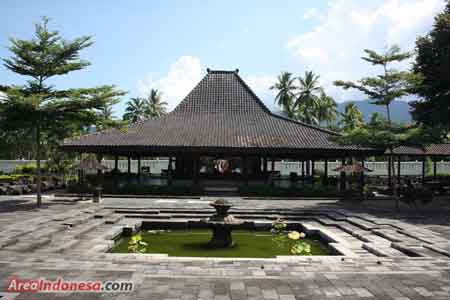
(181, 78)
(260, 85)
(334, 46)
(187, 71)
(312, 14)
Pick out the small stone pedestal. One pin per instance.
(221, 225)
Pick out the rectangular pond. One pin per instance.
(193, 243)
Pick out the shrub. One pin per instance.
(25, 169)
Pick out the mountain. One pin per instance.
(399, 110)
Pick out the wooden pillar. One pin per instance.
(398, 169)
(266, 177)
(169, 171)
(362, 178)
(116, 163)
(313, 171)
(303, 172)
(434, 168)
(245, 169)
(139, 166)
(129, 165)
(325, 172)
(99, 160)
(273, 165)
(195, 169)
(343, 179)
(390, 171)
(424, 159)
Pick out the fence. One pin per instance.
(413, 168)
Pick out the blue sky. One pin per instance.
(168, 44)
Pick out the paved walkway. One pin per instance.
(69, 239)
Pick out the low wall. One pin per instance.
(413, 168)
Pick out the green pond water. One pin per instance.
(257, 244)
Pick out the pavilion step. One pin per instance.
(226, 191)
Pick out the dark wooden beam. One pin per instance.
(325, 172)
(116, 163)
(129, 165)
(398, 169)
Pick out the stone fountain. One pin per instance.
(221, 224)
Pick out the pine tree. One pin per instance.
(37, 104)
(390, 85)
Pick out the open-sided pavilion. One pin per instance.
(220, 130)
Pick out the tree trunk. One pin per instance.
(38, 166)
(388, 110)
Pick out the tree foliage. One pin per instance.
(52, 114)
(303, 99)
(388, 86)
(432, 63)
(351, 118)
(286, 88)
(139, 109)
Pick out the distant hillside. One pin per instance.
(399, 110)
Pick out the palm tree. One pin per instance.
(307, 101)
(286, 93)
(327, 109)
(135, 110)
(352, 117)
(377, 120)
(155, 107)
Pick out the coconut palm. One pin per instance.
(307, 101)
(135, 110)
(352, 117)
(327, 109)
(155, 107)
(377, 120)
(286, 93)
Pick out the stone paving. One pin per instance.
(384, 254)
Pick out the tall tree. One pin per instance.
(155, 106)
(352, 117)
(327, 109)
(391, 84)
(307, 101)
(286, 93)
(135, 110)
(37, 104)
(432, 63)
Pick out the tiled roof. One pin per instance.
(220, 112)
(430, 150)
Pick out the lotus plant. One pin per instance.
(137, 245)
(291, 239)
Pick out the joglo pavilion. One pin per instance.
(221, 130)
